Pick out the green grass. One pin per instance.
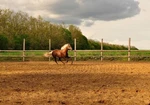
(113, 55)
(13, 53)
(81, 55)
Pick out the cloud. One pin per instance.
(65, 19)
(106, 10)
(87, 23)
(76, 11)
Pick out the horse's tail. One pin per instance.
(47, 54)
(50, 52)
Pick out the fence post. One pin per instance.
(49, 48)
(75, 53)
(101, 49)
(129, 49)
(23, 54)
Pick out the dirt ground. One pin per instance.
(83, 83)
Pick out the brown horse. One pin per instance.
(63, 53)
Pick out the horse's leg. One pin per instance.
(61, 60)
(71, 60)
(55, 60)
(68, 58)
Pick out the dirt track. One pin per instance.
(84, 83)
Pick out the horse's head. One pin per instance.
(66, 46)
(69, 47)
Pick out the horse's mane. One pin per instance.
(64, 46)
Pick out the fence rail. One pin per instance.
(101, 54)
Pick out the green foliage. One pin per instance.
(3, 42)
(133, 48)
(18, 42)
(106, 46)
(68, 37)
(94, 44)
(82, 41)
(18, 25)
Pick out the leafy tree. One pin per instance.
(94, 44)
(82, 41)
(3, 42)
(15, 26)
(18, 41)
(67, 36)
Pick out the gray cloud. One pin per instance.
(66, 20)
(76, 11)
(105, 10)
(87, 23)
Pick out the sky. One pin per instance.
(114, 21)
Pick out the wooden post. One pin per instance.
(49, 48)
(129, 49)
(101, 49)
(75, 53)
(23, 54)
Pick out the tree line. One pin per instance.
(16, 26)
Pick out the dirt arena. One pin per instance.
(83, 83)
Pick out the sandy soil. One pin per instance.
(83, 83)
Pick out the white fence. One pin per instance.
(75, 52)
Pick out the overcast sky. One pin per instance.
(113, 20)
